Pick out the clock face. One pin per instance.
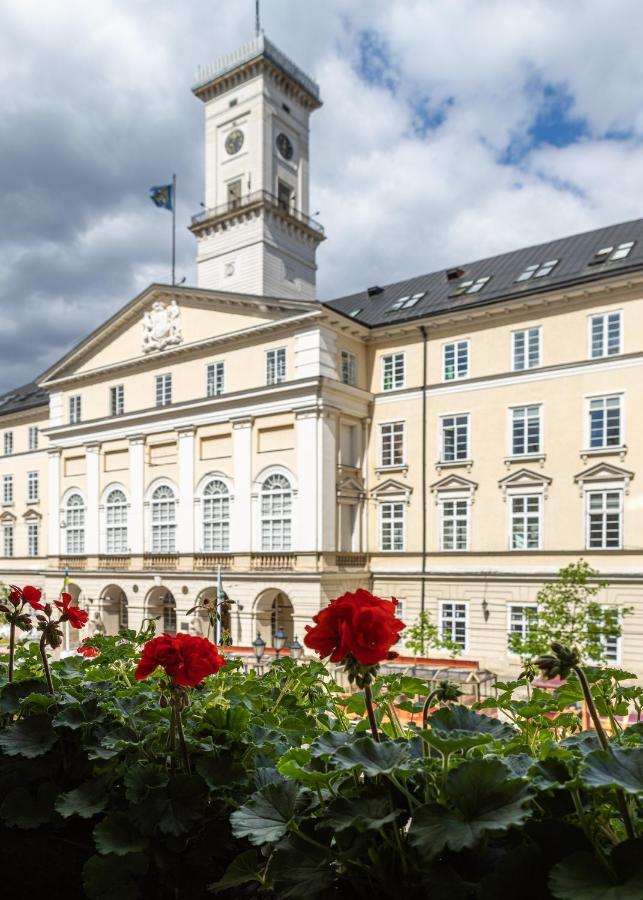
(285, 146)
(234, 141)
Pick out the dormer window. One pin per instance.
(538, 270)
(406, 302)
(610, 254)
(473, 286)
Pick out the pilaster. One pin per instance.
(92, 462)
(185, 530)
(137, 488)
(53, 501)
(241, 522)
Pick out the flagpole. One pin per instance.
(173, 229)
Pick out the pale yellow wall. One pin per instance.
(19, 464)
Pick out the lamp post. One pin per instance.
(258, 646)
(296, 649)
(279, 640)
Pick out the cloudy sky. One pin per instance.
(451, 129)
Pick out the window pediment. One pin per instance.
(452, 485)
(350, 489)
(32, 515)
(7, 518)
(604, 474)
(524, 480)
(392, 489)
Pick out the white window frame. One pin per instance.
(33, 437)
(75, 409)
(76, 534)
(33, 539)
(8, 540)
(453, 603)
(397, 515)
(163, 389)
(276, 365)
(526, 496)
(7, 490)
(276, 522)
(117, 400)
(215, 378)
(593, 490)
(523, 607)
(527, 333)
(162, 525)
(619, 640)
(455, 518)
(33, 487)
(604, 318)
(388, 433)
(397, 363)
(460, 363)
(455, 426)
(8, 443)
(215, 516)
(513, 420)
(116, 522)
(588, 424)
(348, 367)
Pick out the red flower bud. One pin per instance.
(185, 658)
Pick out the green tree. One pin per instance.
(425, 636)
(568, 613)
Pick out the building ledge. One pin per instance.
(454, 464)
(526, 457)
(592, 452)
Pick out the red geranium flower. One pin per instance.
(76, 616)
(87, 651)
(356, 624)
(185, 658)
(27, 594)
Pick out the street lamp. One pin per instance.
(279, 640)
(296, 649)
(259, 646)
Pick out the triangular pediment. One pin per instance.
(7, 518)
(524, 478)
(162, 322)
(604, 472)
(453, 483)
(391, 488)
(32, 515)
(349, 486)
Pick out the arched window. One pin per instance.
(169, 614)
(276, 513)
(163, 520)
(116, 522)
(123, 613)
(75, 519)
(216, 517)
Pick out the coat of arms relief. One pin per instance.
(161, 326)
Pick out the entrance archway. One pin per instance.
(113, 602)
(273, 610)
(161, 603)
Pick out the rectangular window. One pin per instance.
(74, 409)
(454, 524)
(472, 286)
(7, 488)
(234, 193)
(276, 366)
(604, 520)
(455, 360)
(214, 379)
(349, 446)
(526, 349)
(525, 430)
(32, 487)
(392, 526)
(605, 422)
(117, 400)
(348, 367)
(605, 335)
(163, 389)
(453, 623)
(285, 196)
(392, 444)
(33, 539)
(455, 438)
(33, 437)
(519, 620)
(609, 254)
(611, 643)
(8, 443)
(8, 540)
(525, 522)
(392, 371)
(538, 270)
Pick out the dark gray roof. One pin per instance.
(29, 396)
(574, 253)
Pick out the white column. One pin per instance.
(241, 520)
(327, 481)
(305, 526)
(315, 353)
(137, 486)
(92, 464)
(185, 523)
(53, 501)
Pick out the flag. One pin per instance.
(161, 196)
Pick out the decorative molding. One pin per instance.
(524, 479)
(452, 484)
(603, 473)
(392, 489)
(162, 326)
(621, 452)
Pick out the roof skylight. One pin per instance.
(538, 270)
(472, 286)
(355, 312)
(406, 302)
(609, 254)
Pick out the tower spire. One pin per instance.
(257, 18)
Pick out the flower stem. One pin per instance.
(45, 664)
(12, 648)
(368, 699)
(184, 749)
(426, 708)
(602, 737)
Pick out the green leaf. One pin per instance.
(114, 877)
(25, 808)
(617, 767)
(364, 814)
(172, 808)
(449, 742)
(29, 737)
(482, 798)
(328, 742)
(301, 873)
(14, 693)
(240, 871)
(459, 718)
(295, 763)
(116, 834)
(582, 877)
(375, 759)
(141, 779)
(264, 818)
(77, 714)
(85, 801)
(221, 771)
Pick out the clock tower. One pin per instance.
(255, 234)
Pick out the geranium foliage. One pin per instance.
(284, 792)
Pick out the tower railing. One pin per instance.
(257, 198)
